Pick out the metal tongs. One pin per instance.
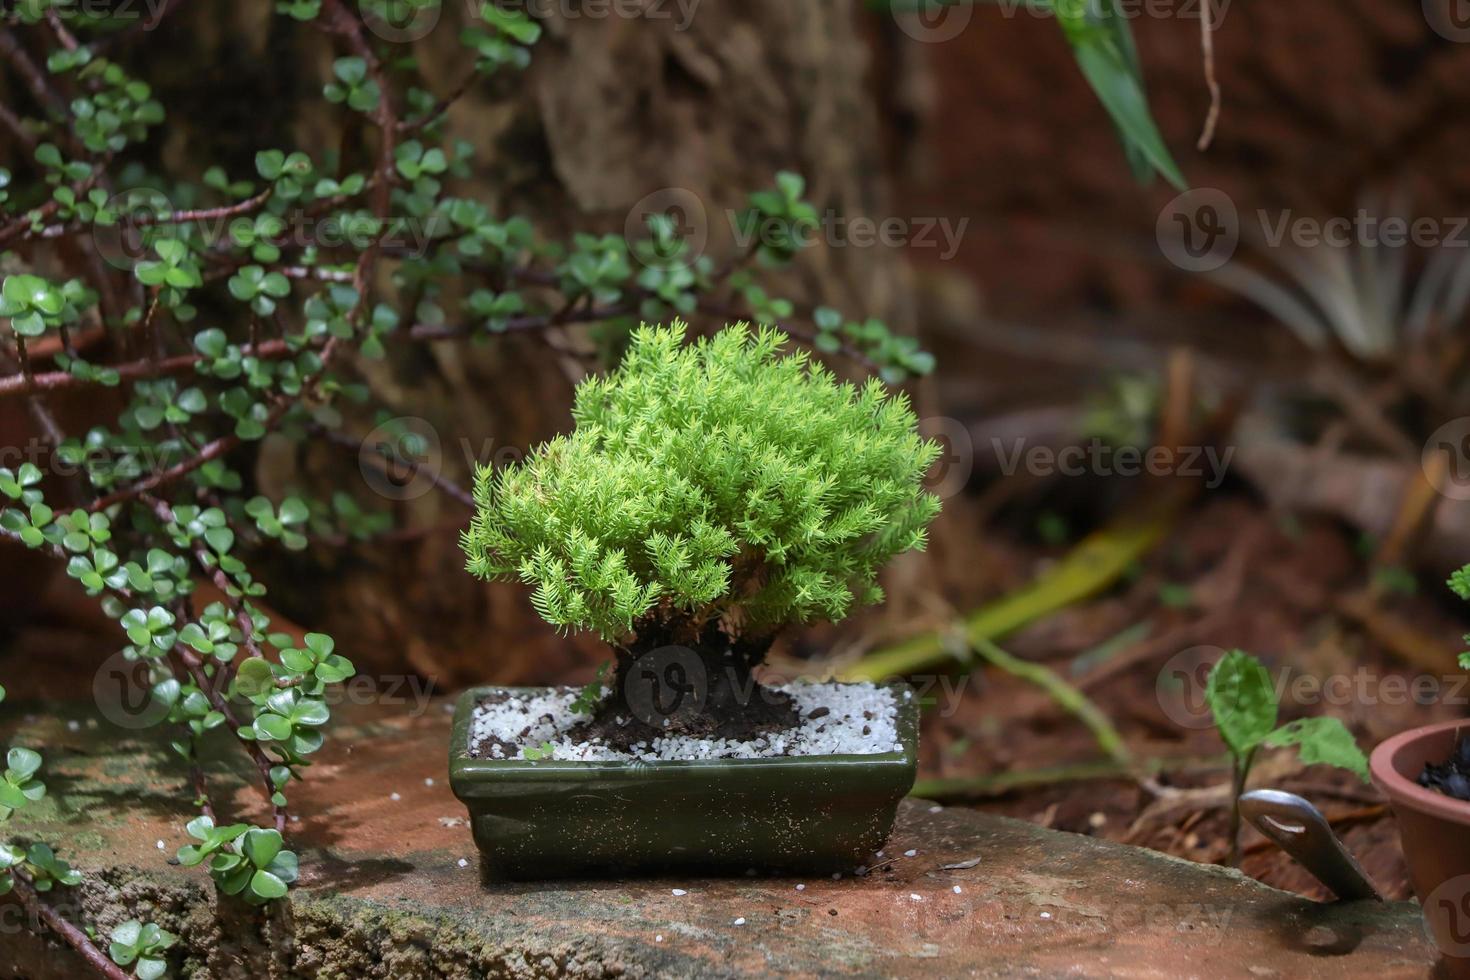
(1299, 829)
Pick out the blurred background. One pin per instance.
(1177, 420)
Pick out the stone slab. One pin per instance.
(391, 887)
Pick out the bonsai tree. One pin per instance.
(709, 495)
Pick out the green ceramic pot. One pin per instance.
(557, 819)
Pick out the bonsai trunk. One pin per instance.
(677, 680)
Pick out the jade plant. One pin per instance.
(710, 494)
(197, 308)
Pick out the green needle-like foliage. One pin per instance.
(717, 481)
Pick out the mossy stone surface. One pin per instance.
(383, 893)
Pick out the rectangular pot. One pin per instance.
(803, 813)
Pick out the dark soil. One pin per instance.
(769, 712)
(1452, 778)
(677, 680)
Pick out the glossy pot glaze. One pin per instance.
(801, 813)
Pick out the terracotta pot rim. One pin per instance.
(1406, 792)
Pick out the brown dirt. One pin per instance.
(1279, 597)
(766, 712)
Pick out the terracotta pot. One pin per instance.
(554, 819)
(1435, 830)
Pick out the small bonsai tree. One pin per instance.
(710, 494)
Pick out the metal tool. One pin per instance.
(1300, 830)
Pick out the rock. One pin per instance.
(391, 888)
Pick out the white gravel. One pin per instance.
(845, 728)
